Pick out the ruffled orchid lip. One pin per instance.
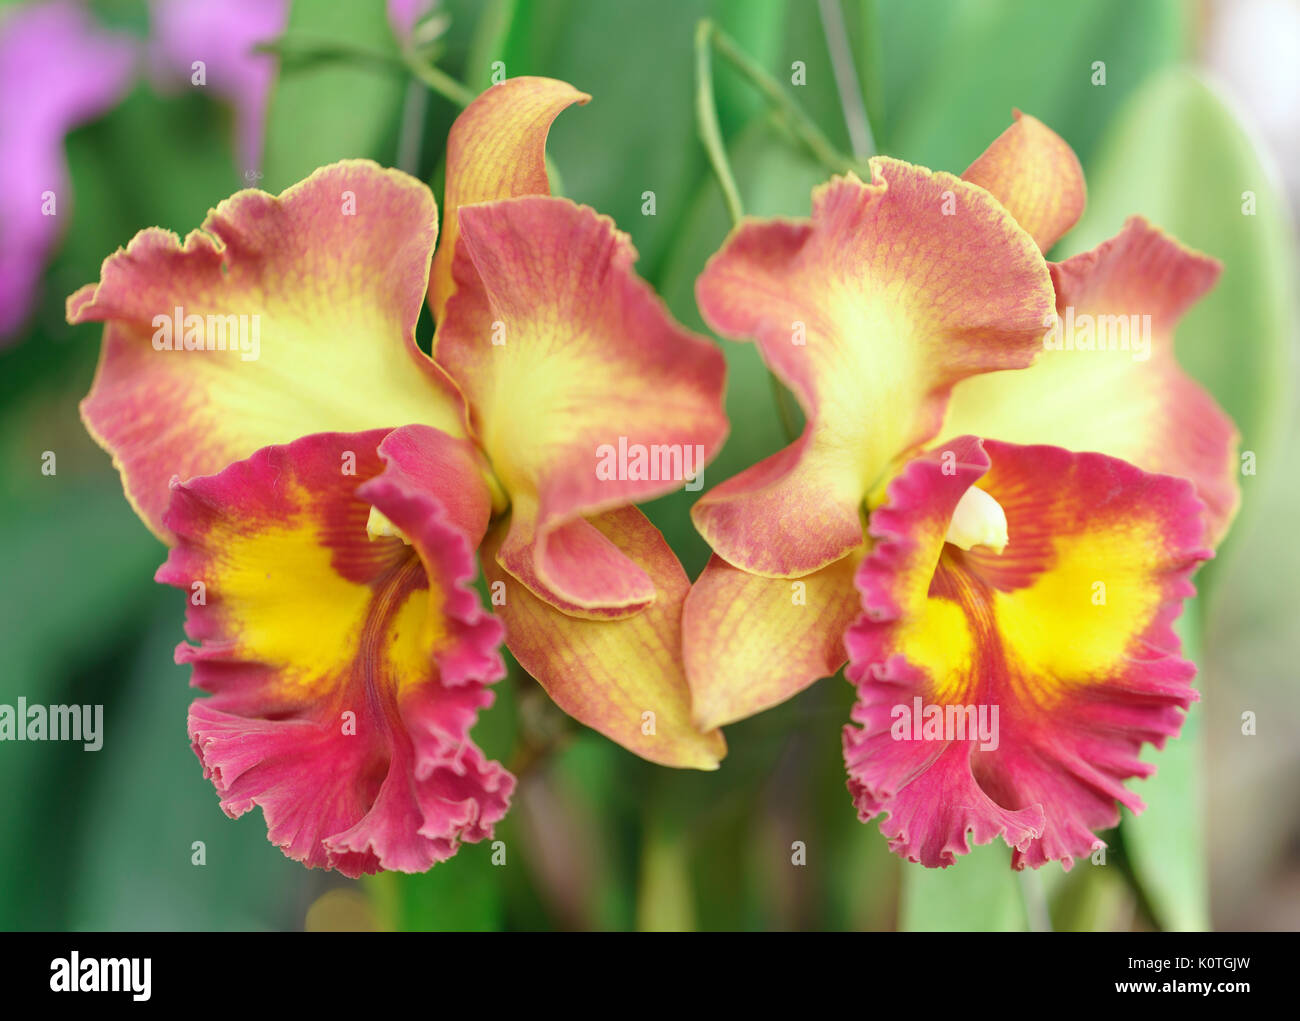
(1067, 634)
(345, 672)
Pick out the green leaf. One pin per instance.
(77, 566)
(327, 111)
(977, 894)
(463, 894)
(666, 899)
(954, 70)
(1166, 843)
(631, 138)
(149, 803)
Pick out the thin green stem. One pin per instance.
(308, 48)
(706, 112)
(441, 82)
(854, 109)
(411, 133)
(805, 130)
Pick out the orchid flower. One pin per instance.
(324, 484)
(992, 506)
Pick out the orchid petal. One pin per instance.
(897, 289)
(566, 358)
(1035, 174)
(751, 642)
(305, 306)
(496, 150)
(624, 678)
(1109, 381)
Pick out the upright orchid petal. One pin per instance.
(58, 69)
(751, 642)
(1036, 176)
(279, 318)
(222, 37)
(1010, 694)
(1108, 380)
(897, 289)
(583, 392)
(496, 150)
(345, 672)
(623, 678)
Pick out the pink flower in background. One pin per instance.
(58, 69)
(404, 15)
(222, 36)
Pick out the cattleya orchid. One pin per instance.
(324, 499)
(990, 507)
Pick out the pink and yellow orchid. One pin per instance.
(325, 485)
(910, 532)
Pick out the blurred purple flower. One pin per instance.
(222, 36)
(58, 69)
(404, 14)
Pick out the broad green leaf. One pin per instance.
(137, 865)
(462, 894)
(78, 568)
(1166, 843)
(1248, 673)
(665, 898)
(118, 162)
(954, 70)
(1091, 898)
(78, 563)
(489, 41)
(638, 134)
(327, 111)
(980, 893)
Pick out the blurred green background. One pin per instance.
(1198, 107)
